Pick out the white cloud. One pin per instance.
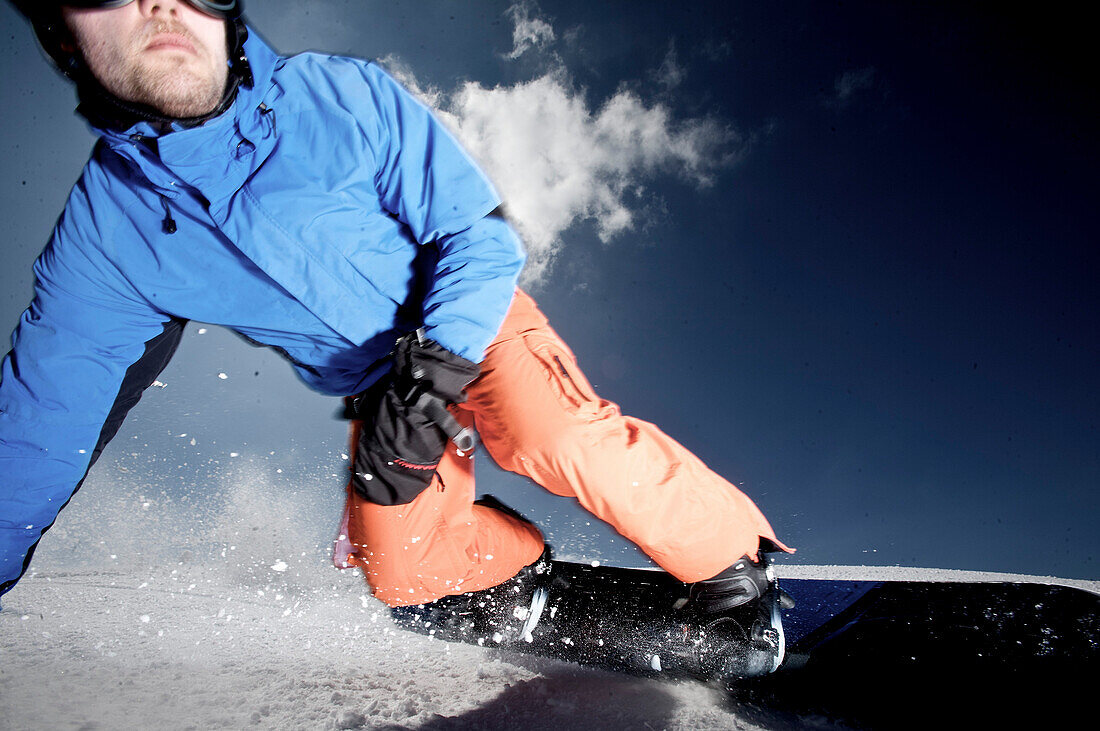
(715, 51)
(557, 161)
(848, 84)
(670, 74)
(528, 32)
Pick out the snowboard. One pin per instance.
(920, 654)
(869, 653)
(633, 620)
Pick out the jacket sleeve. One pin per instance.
(62, 389)
(429, 182)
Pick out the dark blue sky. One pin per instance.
(880, 320)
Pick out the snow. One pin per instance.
(213, 615)
(205, 612)
(195, 647)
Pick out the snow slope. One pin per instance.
(146, 613)
(187, 648)
(221, 611)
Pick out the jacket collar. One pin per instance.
(207, 157)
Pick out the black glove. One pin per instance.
(406, 424)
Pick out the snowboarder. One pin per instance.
(313, 206)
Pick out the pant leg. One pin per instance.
(439, 544)
(538, 416)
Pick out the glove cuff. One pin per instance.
(425, 365)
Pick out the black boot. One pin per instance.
(740, 607)
(745, 581)
(500, 615)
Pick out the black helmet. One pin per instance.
(54, 37)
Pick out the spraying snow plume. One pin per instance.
(558, 160)
(246, 527)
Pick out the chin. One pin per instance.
(183, 95)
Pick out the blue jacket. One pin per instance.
(324, 214)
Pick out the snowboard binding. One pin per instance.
(739, 612)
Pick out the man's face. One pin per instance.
(161, 53)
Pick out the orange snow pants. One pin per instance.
(538, 416)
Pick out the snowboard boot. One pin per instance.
(497, 616)
(739, 610)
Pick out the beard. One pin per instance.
(178, 84)
(174, 91)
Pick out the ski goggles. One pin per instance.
(230, 9)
